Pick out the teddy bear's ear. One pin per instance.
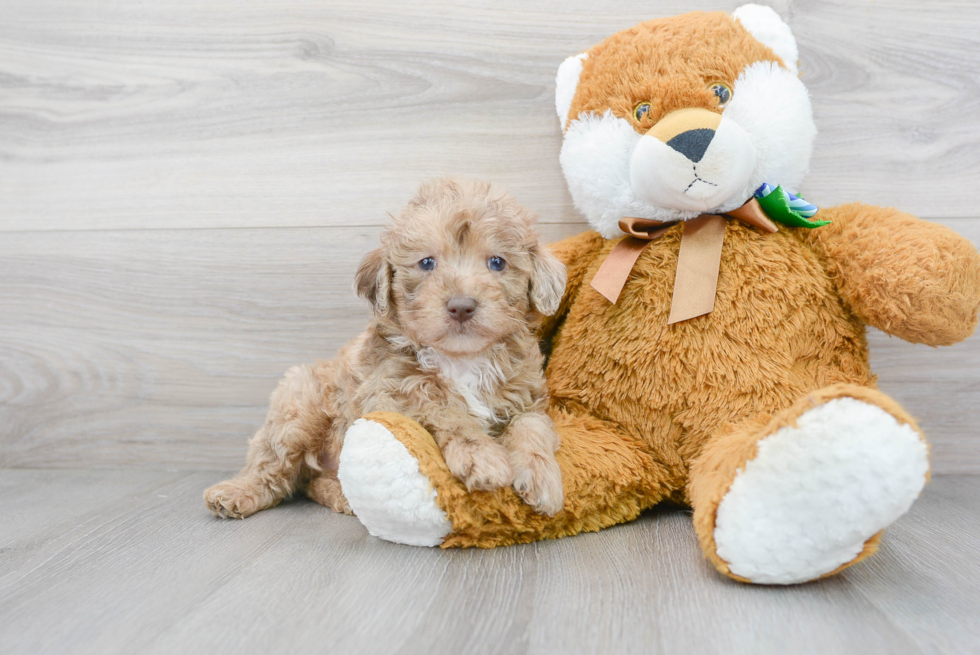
(565, 84)
(766, 26)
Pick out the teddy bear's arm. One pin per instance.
(576, 253)
(916, 280)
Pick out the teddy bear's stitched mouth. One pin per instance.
(697, 179)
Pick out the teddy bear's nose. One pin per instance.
(692, 143)
(688, 131)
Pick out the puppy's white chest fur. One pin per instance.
(473, 378)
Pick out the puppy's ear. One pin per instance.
(373, 281)
(548, 279)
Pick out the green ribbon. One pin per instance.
(786, 208)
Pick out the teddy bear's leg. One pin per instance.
(385, 484)
(807, 493)
(398, 485)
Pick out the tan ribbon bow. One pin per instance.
(698, 259)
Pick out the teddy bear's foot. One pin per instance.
(386, 490)
(817, 491)
(399, 485)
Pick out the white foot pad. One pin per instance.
(382, 482)
(816, 493)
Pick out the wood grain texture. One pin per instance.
(129, 336)
(160, 348)
(311, 113)
(138, 565)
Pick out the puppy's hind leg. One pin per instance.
(325, 489)
(279, 452)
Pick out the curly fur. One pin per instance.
(477, 386)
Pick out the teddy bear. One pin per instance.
(710, 347)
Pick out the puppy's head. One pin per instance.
(460, 268)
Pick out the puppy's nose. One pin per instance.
(461, 308)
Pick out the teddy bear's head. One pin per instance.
(682, 116)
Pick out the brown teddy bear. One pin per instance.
(716, 356)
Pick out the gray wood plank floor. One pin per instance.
(126, 561)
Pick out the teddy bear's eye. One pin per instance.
(723, 92)
(427, 264)
(496, 263)
(641, 111)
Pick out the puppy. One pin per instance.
(455, 287)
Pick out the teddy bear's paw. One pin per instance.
(816, 492)
(386, 490)
(537, 479)
(480, 465)
(232, 500)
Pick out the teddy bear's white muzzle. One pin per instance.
(697, 170)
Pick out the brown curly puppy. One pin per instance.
(456, 286)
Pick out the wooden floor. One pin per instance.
(129, 561)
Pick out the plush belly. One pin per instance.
(778, 330)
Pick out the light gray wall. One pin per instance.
(185, 188)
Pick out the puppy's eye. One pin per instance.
(427, 264)
(496, 263)
(641, 111)
(723, 92)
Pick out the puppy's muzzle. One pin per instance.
(461, 308)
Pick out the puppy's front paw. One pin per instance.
(537, 479)
(231, 500)
(480, 465)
